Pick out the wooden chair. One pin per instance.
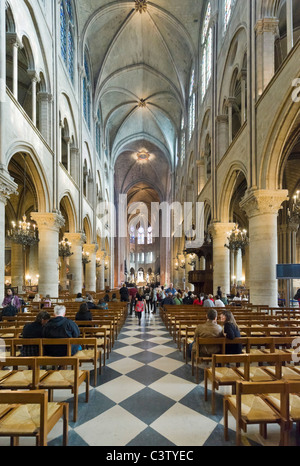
(29, 414)
(66, 379)
(102, 339)
(248, 406)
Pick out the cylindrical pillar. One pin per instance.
(75, 261)
(221, 255)
(90, 270)
(262, 209)
(49, 225)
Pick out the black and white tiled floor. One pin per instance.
(146, 396)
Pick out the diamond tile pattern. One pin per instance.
(146, 396)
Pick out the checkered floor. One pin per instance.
(146, 396)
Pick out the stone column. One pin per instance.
(74, 163)
(223, 135)
(17, 266)
(77, 241)
(45, 101)
(261, 207)
(201, 174)
(16, 45)
(101, 271)
(34, 80)
(221, 255)
(49, 225)
(7, 188)
(90, 270)
(266, 31)
(243, 95)
(289, 25)
(230, 103)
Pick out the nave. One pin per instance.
(146, 397)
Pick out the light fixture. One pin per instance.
(294, 212)
(143, 156)
(65, 248)
(85, 258)
(237, 239)
(193, 262)
(98, 262)
(23, 232)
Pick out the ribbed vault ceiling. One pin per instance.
(141, 57)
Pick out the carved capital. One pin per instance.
(77, 239)
(48, 221)
(220, 230)
(262, 202)
(91, 248)
(7, 186)
(267, 25)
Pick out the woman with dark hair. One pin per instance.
(231, 331)
(140, 304)
(84, 313)
(11, 303)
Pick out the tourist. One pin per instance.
(208, 302)
(79, 298)
(231, 331)
(124, 294)
(84, 313)
(140, 304)
(219, 302)
(11, 304)
(34, 330)
(60, 327)
(211, 329)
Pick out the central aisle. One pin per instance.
(146, 396)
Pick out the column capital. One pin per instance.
(48, 220)
(76, 238)
(91, 248)
(261, 202)
(222, 118)
(7, 186)
(267, 25)
(14, 40)
(220, 229)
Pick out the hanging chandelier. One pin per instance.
(237, 239)
(294, 212)
(65, 248)
(23, 233)
(85, 258)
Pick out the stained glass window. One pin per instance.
(67, 36)
(228, 4)
(182, 142)
(141, 236)
(150, 236)
(87, 91)
(192, 106)
(207, 52)
(132, 235)
(98, 133)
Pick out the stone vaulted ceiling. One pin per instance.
(141, 65)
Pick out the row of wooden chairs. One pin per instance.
(22, 373)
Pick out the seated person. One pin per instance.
(90, 302)
(219, 302)
(34, 330)
(11, 303)
(168, 300)
(102, 304)
(46, 302)
(231, 331)
(114, 298)
(189, 299)
(60, 327)
(84, 313)
(37, 298)
(210, 329)
(79, 298)
(198, 301)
